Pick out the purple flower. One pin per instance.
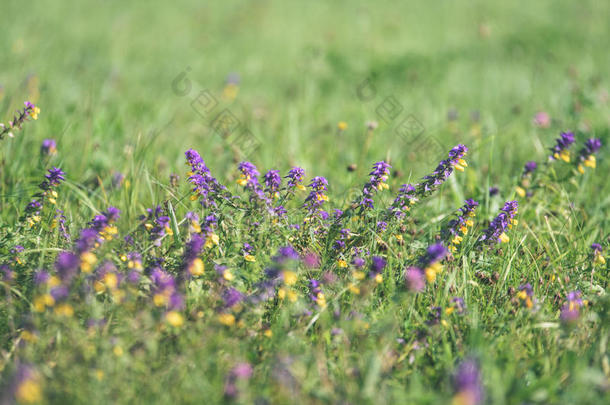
(204, 184)
(231, 297)
(273, 181)
(570, 312)
(467, 383)
(67, 264)
(295, 178)
(358, 262)
(493, 190)
(316, 197)
(434, 253)
(378, 263)
(530, 167)
(495, 232)
(55, 177)
(415, 279)
(48, 147)
(285, 253)
(563, 143)
(404, 200)
(444, 169)
(377, 181)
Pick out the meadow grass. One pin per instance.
(126, 89)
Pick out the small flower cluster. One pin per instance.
(429, 267)
(21, 116)
(317, 195)
(587, 154)
(316, 294)
(526, 178)
(570, 312)
(505, 219)
(458, 228)
(205, 186)
(561, 150)
(295, 179)
(156, 224)
(408, 194)
(467, 384)
(443, 171)
(526, 295)
(597, 256)
(273, 181)
(379, 176)
(48, 192)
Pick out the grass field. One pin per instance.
(242, 289)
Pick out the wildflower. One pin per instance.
(505, 219)
(316, 197)
(542, 119)
(431, 261)
(379, 176)
(598, 258)
(174, 318)
(525, 295)
(415, 279)
(48, 147)
(587, 154)
(231, 297)
(561, 148)
(21, 116)
(339, 244)
(205, 186)
(316, 294)
(273, 182)
(117, 180)
(530, 167)
(226, 319)
(456, 305)
(404, 200)
(378, 263)
(467, 384)
(242, 371)
(570, 312)
(493, 190)
(191, 262)
(27, 385)
(342, 126)
(458, 228)
(295, 178)
(247, 251)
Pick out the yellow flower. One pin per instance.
(64, 310)
(504, 238)
(111, 280)
(227, 275)
(342, 125)
(197, 267)
(174, 318)
(118, 351)
(249, 258)
(29, 391)
(341, 263)
(226, 319)
(354, 289)
(268, 333)
(281, 293)
(88, 259)
(290, 277)
(378, 278)
(520, 191)
(590, 162)
(359, 275)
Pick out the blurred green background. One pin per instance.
(102, 73)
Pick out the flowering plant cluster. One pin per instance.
(256, 273)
